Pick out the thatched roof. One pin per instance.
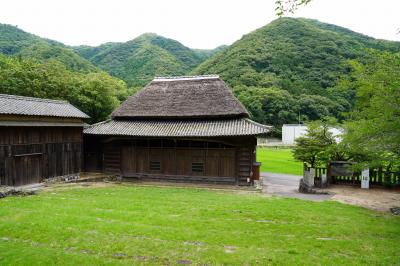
(20, 105)
(182, 97)
(178, 128)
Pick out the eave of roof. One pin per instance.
(39, 124)
(20, 105)
(180, 128)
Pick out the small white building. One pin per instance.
(290, 132)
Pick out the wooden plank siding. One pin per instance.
(32, 154)
(216, 161)
(245, 160)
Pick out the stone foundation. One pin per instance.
(64, 178)
(304, 187)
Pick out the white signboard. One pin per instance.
(365, 179)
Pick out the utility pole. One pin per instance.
(299, 117)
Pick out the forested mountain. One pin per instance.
(295, 67)
(295, 54)
(139, 60)
(38, 67)
(16, 42)
(289, 70)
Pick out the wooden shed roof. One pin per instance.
(178, 128)
(20, 105)
(182, 97)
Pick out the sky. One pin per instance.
(202, 24)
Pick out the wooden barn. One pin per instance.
(179, 129)
(39, 139)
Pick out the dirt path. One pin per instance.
(287, 186)
(376, 198)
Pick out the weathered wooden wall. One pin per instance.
(31, 154)
(219, 160)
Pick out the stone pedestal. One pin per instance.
(324, 180)
(304, 187)
(307, 182)
(308, 177)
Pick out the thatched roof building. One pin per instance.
(198, 114)
(182, 97)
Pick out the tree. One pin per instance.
(288, 6)
(97, 94)
(314, 146)
(374, 126)
(270, 106)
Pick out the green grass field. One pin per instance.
(278, 161)
(130, 224)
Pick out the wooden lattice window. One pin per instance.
(155, 165)
(198, 167)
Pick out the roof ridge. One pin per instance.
(27, 98)
(99, 123)
(196, 77)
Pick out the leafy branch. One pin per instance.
(289, 6)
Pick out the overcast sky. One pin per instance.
(197, 24)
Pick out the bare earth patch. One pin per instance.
(376, 198)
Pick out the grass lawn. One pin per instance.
(128, 224)
(278, 161)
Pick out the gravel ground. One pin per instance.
(375, 198)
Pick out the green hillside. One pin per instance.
(38, 67)
(139, 60)
(289, 70)
(16, 42)
(296, 54)
(294, 67)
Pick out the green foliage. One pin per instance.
(306, 58)
(289, 70)
(269, 105)
(298, 55)
(97, 94)
(315, 146)
(67, 57)
(14, 41)
(288, 6)
(374, 126)
(204, 54)
(138, 61)
(274, 106)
